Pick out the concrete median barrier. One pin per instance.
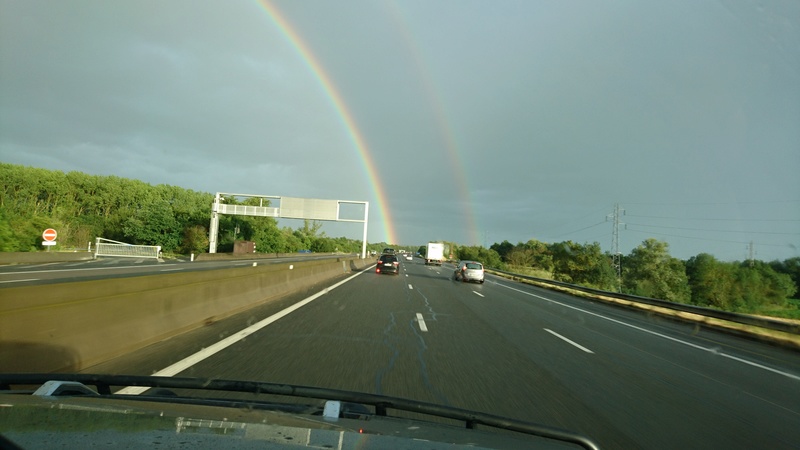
(71, 326)
(235, 256)
(43, 257)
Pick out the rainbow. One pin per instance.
(446, 131)
(344, 114)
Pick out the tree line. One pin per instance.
(650, 271)
(82, 207)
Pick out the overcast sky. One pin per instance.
(480, 121)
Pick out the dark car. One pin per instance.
(388, 264)
(388, 251)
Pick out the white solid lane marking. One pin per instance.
(654, 333)
(79, 270)
(421, 321)
(19, 281)
(191, 360)
(170, 270)
(478, 293)
(567, 340)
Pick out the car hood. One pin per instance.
(66, 410)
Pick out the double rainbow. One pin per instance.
(449, 141)
(344, 114)
(348, 121)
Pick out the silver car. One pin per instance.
(469, 271)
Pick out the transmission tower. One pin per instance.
(616, 256)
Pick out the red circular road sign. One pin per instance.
(49, 235)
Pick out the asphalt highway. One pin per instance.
(625, 379)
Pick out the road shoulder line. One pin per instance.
(211, 350)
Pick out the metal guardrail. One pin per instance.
(763, 322)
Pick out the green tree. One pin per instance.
(541, 255)
(583, 264)
(268, 237)
(733, 286)
(520, 257)
(789, 267)
(711, 282)
(323, 245)
(308, 234)
(761, 286)
(82, 207)
(154, 224)
(487, 257)
(292, 242)
(195, 239)
(503, 249)
(650, 271)
(7, 239)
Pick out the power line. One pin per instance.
(718, 231)
(715, 219)
(593, 238)
(704, 239)
(593, 213)
(712, 203)
(585, 228)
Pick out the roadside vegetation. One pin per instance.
(753, 287)
(82, 207)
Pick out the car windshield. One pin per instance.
(602, 199)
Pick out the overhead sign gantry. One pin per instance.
(287, 208)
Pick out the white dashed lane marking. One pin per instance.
(421, 321)
(568, 341)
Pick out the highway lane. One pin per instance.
(670, 382)
(625, 379)
(109, 267)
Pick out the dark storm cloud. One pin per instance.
(550, 112)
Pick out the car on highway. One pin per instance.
(469, 271)
(388, 251)
(388, 264)
(409, 257)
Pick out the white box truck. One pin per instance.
(435, 253)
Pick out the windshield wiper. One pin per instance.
(104, 384)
